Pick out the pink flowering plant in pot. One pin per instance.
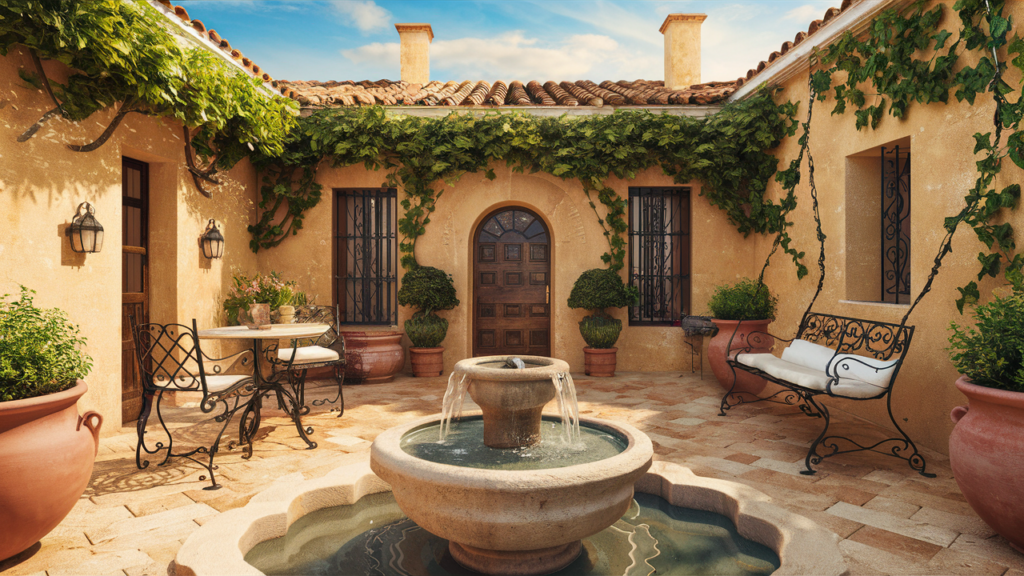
(267, 289)
(986, 448)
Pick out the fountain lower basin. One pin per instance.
(531, 519)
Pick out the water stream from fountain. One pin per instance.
(568, 408)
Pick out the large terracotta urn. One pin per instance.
(718, 350)
(46, 456)
(373, 357)
(986, 452)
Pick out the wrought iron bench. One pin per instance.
(836, 356)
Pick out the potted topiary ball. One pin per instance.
(986, 448)
(738, 310)
(428, 289)
(596, 290)
(46, 449)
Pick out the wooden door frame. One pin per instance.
(474, 234)
(142, 298)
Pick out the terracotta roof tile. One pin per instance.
(515, 93)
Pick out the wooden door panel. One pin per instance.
(134, 278)
(511, 283)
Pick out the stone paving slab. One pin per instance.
(892, 520)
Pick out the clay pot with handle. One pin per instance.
(986, 453)
(46, 455)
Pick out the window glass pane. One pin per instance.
(368, 248)
(658, 253)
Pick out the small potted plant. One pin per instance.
(251, 300)
(986, 448)
(737, 310)
(596, 290)
(427, 289)
(46, 449)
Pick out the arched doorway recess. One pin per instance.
(512, 284)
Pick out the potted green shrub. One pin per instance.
(986, 448)
(596, 290)
(428, 290)
(46, 449)
(739, 309)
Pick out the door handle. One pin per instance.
(547, 294)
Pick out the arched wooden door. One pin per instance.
(512, 285)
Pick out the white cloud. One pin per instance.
(363, 14)
(514, 56)
(805, 14)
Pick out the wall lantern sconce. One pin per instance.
(212, 241)
(85, 231)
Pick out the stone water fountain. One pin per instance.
(513, 520)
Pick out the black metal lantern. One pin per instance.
(212, 241)
(85, 231)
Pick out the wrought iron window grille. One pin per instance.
(659, 254)
(366, 256)
(895, 228)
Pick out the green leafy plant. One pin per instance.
(745, 300)
(596, 290)
(427, 289)
(260, 289)
(992, 352)
(600, 332)
(40, 350)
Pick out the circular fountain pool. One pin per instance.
(374, 537)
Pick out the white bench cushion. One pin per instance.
(308, 355)
(214, 382)
(808, 377)
(818, 357)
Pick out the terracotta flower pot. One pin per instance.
(599, 362)
(718, 349)
(427, 362)
(986, 452)
(373, 357)
(46, 456)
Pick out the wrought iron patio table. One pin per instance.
(288, 391)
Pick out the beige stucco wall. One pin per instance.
(577, 245)
(41, 184)
(942, 170)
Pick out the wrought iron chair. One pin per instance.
(170, 360)
(324, 351)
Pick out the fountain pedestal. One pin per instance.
(516, 562)
(512, 410)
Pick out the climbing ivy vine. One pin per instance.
(906, 58)
(729, 152)
(121, 55)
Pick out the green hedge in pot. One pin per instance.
(427, 289)
(596, 290)
(745, 300)
(992, 352)
(40, 350)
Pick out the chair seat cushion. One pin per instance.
(215, 383)
(308, 355)
(808, 377)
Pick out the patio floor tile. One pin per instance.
(891, 520)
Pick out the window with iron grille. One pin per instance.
(366, 255)
(895, 225)
(659, 254)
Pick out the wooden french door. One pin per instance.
(512, 285)
(134, 277)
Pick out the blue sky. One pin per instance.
(499, 39)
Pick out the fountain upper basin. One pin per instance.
(507, 510)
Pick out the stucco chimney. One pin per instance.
(415, 52)
(682, 49)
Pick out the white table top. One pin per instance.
(276, 332)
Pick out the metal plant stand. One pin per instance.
(695, 328)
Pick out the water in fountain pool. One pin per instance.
(463, 446)
(374, 537)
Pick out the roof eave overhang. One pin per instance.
(545, 111)
(856, 18)
(185, 31)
